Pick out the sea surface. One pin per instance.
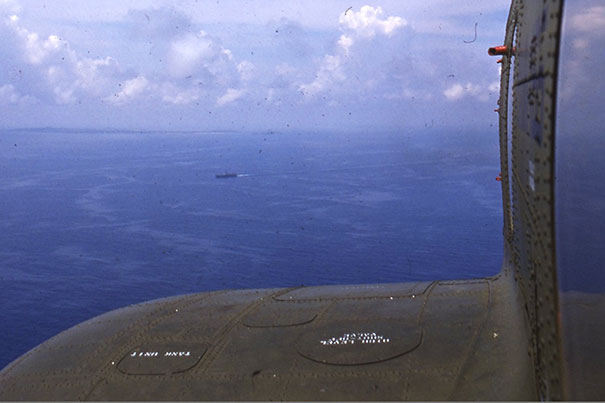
(95, 220)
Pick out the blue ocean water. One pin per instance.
(96, 220)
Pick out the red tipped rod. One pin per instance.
(498, 50)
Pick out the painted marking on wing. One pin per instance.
(145, 354)
(351, 338)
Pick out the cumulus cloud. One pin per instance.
(458, 91)
(367, 22)
(9, 7)
(345, 42)
(130, 89)
(194, 62)
(66, 74)
(371, 59)
(330, 71)
(230, 96)
(178, 96)
(246, 70)
(198, 63)
(95, 75)
(35, 49)
(194, 52)
(356, 26)
(167, 92)
(9, 95)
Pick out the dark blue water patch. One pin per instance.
(95, 221)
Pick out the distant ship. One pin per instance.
(226, 175)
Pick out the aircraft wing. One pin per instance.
(410, 341)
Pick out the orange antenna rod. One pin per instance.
(497, 50)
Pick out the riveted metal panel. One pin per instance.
(458, 340)
(531, 241)
(504, 121)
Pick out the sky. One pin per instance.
(249, 64)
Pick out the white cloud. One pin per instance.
(67, 75)
(9, 95)
(194, 52)
(458, 91)
(330, 72)
(64, 95)
(455, 92)
(230, 95)
(10, 7)
(134, 87)
(357, 26)
(38, 50)
(345, 42)
(131, 89)
(246, 70)
(367, 22)
(494, 87)
(179, 96)
(192, 60)
(167, 92)
(95, 75)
